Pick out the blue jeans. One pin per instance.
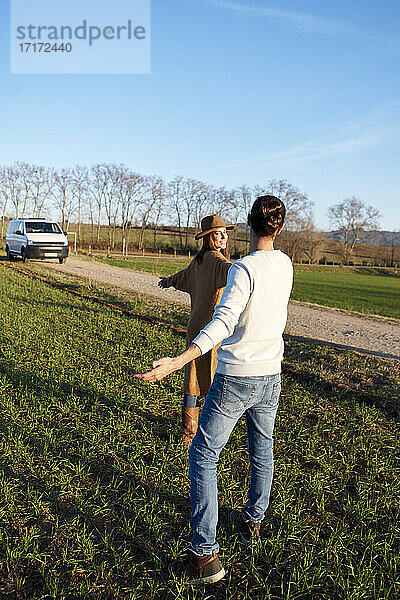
(228, 398)
(189, 400)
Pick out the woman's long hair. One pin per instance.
(209, 244)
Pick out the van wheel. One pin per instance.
(61, 260)
(23, 255)
(9, 255)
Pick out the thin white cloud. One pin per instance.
(316, 150)
(304, 22)
(301, 21)
(379, 127)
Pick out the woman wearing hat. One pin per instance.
(204, 279)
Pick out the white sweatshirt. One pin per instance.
(251, 316)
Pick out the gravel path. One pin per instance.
(372, 335)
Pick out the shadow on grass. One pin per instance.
(377, 272)
(344, 376)
(115, 480)
(342, 347)
(106, 534)
(169, 312)
(77, 308)
(125, 301)
(120, 522)
(57, 528)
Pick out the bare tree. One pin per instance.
(175, 193)
(80, 188)
(161, 192)
(155, 189)
(4, 197)
(298, 213)
(24, 173)
(310, 242)
(395, 245)
(131, 197)
(191, 200)
(98, 183)
(298, 205)
(27, 188)
(64, 198)
(203, 202)
(189, 190)
(353, 219)
(234, 214)
(89, 210)
(390, 240)
(114, 178)
(12, 188)
(42, 185)
(244, 197)
(218, 199)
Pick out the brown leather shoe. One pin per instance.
(249, 531)
(197, 569)
(190, 420)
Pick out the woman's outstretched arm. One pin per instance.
(180, 281)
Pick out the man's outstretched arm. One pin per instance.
(226, 316)
(167, 365)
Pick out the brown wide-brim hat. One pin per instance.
(211, 223)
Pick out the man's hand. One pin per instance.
(165, 366)
(161, 368)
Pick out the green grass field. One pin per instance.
(94, 497)
(158, 266)
(369, 291)
(364, 290)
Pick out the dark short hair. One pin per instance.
(267, 215)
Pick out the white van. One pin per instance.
(36, 238)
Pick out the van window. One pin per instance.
(41, 227)
(12, 227)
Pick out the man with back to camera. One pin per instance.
(249, 321)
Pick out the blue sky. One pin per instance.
(240, 92)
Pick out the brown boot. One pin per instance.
(190, 419)
(197, 569)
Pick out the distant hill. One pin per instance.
(373, 238)
(241, 226)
